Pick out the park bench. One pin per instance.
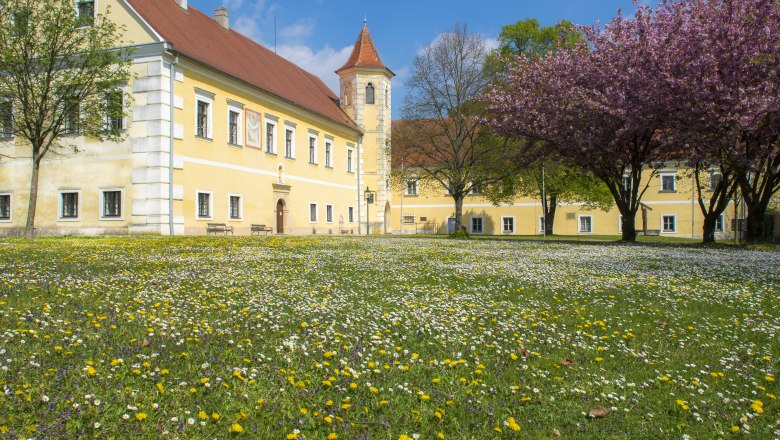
(261, 228)
(218, 228)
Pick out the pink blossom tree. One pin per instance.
(596, 105)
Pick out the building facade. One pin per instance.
(670, 209)
(219, 130)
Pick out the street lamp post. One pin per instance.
(369, 196)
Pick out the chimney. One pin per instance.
(182, 4)
(222, 16)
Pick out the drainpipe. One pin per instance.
(170, 150)
(359, 201)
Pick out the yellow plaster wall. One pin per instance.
(436, 206)
(252, 172)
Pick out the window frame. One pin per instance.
(328, 153)
(7, 132)
(78, 3)
(329, 213)
(61, 205)
(291, 147)
(69, 117)
(514, 224)
(239, 126)
(412, 181)
(475, 190)
(197, 205)
(481, 225)
(240, 207)
(664, 230)
(406, 216)
(350, 160)
(540, 224)
(312, 149)
(664, 176)
(350, 214)
(722, 220)
(10, 218)
(271, 124)
(101, 208)
(314, 209)
(209, 116)
(580, 217)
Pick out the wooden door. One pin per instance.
(280, 217)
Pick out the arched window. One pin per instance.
(370, 93)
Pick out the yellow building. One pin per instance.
(670, 208)
(220, 130)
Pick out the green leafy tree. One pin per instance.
(561, 184)
(60, 73)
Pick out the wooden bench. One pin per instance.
(346, 231)
(261, 228)
(218, 228)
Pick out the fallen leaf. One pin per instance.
(145, 342)
(566, 362)
(598, 412)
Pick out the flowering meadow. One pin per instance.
(385, 338)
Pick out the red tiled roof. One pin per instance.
(364, 53)
(200, 38)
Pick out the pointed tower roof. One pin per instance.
(364, 54)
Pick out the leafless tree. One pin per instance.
(441, 137)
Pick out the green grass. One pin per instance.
(385, 337)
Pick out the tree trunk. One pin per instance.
(708, 231)
(458, 213)
(629, 230)
(755, 223)
(29, 229)
(549, 216)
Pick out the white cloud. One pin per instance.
(322, 62)
(297, 31)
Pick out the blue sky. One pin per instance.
(318, 35)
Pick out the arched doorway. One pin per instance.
(387, 218)
(280, 217)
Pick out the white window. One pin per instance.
(312, 148)
(328, 154)
(235, 126)
(289, 142)
(329, 213)
(476, 189)
(350, 168)
(351, 214)
(669, 223)
(115, 107)
(6, 118)
(85, 9)
(477, 224)
(203, 208)
(5, 207)
(111, 204)
(541, 224)
(408, 219)
(313, 212)
(411, 187)
(720, 222)
(715, 179)
(586, 224)
(69, 205)
(235, 207)
(668, 183)
(270, 135)
(203, 110)
(71, 121)
(507, 225)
